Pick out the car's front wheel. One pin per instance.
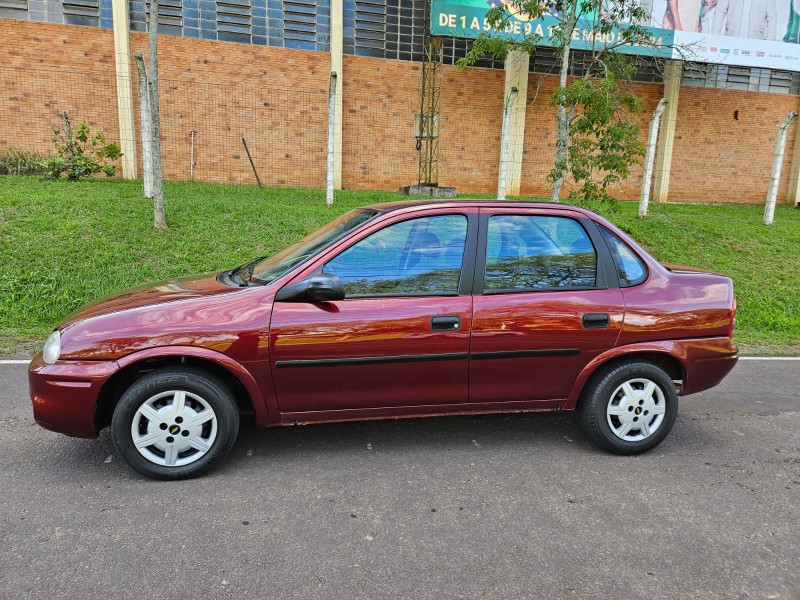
(629, 408)
(175, 423)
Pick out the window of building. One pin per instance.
(234, 20)
(82, 12)
(370, 27)
(300, 24)
(13, 9)
(170, 16)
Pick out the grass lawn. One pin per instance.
(64, 244)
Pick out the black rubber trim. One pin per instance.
(368, 360)
(525, 353)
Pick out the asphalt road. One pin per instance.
(511, 506)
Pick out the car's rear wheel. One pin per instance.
(175, 423)
(629, 407)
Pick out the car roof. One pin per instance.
(387, 207)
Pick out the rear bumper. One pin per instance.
(64, 395)
(706, 362)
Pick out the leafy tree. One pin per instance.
(79, 152)
(596, 139)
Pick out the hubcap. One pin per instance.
(174, 428)
(636, 410)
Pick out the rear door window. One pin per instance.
(630, 268)
(538, 252)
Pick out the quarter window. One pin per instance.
(533, 252)
(420, 256)
(630, 267)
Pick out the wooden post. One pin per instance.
(159, 218)
(503, 172)
(330, 183)
(777, 163)
(673, 71)
(649, 157)
(144, 118)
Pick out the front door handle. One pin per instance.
(595, 320)
(445, 323)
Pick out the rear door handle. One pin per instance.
(445, 323)
(595, 320)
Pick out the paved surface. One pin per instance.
(514, 506)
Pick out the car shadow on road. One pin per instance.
(292, 446)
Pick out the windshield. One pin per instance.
(267, 269)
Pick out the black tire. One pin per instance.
(171, 431)
(604, 395)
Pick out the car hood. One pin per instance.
(191, 311)
(169, 290)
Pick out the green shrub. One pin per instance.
(80, 152)
(22, 162)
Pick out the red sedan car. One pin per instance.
(395, 310)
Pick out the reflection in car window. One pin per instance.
(630, 267)
(530, 252)
(412, 257)
(269, 269)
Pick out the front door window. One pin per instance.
(416, 257)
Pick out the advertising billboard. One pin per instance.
(751, 33)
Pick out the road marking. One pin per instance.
(769, 358)
(15, 362)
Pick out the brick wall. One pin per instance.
(277, 99)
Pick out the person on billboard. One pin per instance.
(761, 23)
(683, 15)
(712, 17)
(793, 26)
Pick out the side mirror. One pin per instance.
(322, 287)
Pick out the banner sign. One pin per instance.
(751, 33)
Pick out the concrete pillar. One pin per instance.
(793, 194)
(122, 59)
(337, 45)
(673, 71)
(516, 77)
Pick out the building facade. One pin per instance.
(258, 69)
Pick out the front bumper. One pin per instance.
(64, 395)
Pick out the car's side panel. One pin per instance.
(252, 374)
(677, 305)
(704, 361)
(531, 346)
(418, 410)
(368, 353)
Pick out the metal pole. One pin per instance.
(777, 163)
(331, 139)
(192, 135)
(504, 136)
(650, 156)
(144, 118)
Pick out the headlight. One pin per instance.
(52, 348)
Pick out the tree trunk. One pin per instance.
(160, 220)
(562, 125)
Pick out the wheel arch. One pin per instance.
(244, 387)
(659, 356)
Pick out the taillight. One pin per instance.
(733, 320)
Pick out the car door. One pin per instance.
(546, 303)
(399, 338)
